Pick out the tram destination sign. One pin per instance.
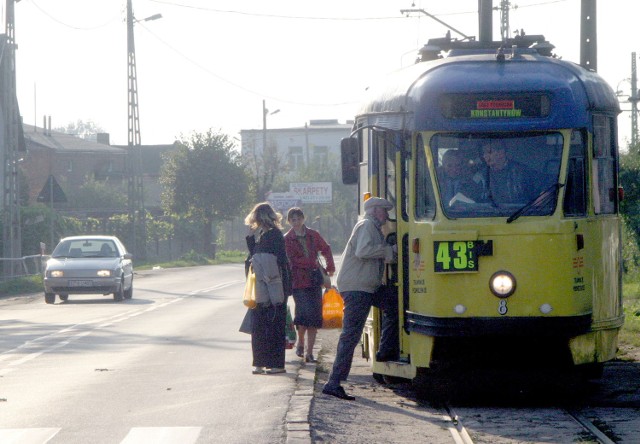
(510, 106)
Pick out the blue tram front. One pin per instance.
(503, 168)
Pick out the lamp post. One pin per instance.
(265, 112)
(135, 179)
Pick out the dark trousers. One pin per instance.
(357, 305)
(268, 335)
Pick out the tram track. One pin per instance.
(461, 435)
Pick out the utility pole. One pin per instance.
(633, 98)
(11, 233)
(504, 19)
(135, 184)
(588, 35)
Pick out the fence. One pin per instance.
(22, 266)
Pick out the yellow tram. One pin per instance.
(503, 168)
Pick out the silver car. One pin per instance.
(89, 265)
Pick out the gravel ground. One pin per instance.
(392, 414)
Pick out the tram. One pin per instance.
(503, 167)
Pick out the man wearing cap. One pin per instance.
(360, 275)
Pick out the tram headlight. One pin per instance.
(502, 284)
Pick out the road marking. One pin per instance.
(68, 334)
(27, 436)
(162, 435)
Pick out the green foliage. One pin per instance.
(205, 181)
(22, 285)
(95, 194)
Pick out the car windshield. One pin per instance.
(81, 248)
(482, 175)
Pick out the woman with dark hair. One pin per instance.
(273, 284)
(303, 246)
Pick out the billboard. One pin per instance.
(312, 192)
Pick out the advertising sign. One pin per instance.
(283, 201)
(312, 192)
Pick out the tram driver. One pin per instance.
(506, 181)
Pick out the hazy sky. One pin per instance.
(210, 63)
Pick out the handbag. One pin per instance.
(289, 331)
(247, 322)
(317, 277)
(332, 309)
(249, 298)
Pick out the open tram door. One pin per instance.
(374, 160)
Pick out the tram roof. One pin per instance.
(409, 98)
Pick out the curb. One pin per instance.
(297, 423)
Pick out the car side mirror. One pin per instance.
(128, 256)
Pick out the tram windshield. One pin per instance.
(495, 175)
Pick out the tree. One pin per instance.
(205, 179)
(84, 129)
(265, 168)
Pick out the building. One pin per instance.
(311, 144)
(72, 161)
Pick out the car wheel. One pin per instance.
(63, 297)
(119, 294)
(49, 298)
(128, 294)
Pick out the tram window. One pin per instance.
(425, 199)
(575, 195)
(604, 166)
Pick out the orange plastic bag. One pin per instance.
(332, 309)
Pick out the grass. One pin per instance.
(630, 333)
(33, 284)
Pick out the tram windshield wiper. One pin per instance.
(540, 200)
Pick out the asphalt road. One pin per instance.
(168, 366)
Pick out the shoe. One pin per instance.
(310, 358)
(273, 371)
(338, 392)
(300, 351)
(258, 371)
(386, 356)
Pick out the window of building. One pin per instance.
(320, 155)
(296, 159)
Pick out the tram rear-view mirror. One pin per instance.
(350, 160)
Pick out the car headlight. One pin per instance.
(502, 284)
(104, 273)
(56, 273)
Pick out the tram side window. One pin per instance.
(425, 199)
(575, 194)
(604, 166)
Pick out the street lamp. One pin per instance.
(265, 112)
(135, 180)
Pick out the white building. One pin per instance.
(310, 144)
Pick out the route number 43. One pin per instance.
(452, 256)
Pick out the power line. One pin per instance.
(255, 14)
(237, 85)
(80, 28)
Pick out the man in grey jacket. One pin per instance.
(360, 275)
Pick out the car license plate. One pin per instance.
(83, 283)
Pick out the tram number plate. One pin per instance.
(455, 256)
(83, 283)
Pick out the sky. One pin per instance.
(209, 64)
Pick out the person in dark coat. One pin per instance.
(268, 340)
